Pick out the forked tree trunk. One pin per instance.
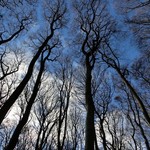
(14, 96)
(14, 139)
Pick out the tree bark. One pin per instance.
(90, 129)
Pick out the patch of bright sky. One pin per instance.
(126, 45)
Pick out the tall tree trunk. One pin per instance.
(14, 139)
(90, 130)
(140, 103)
(11, 100)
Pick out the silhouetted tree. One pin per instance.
(94, 26)
(55, 21)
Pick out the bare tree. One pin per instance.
(75, 131)
(15, 21)
(136, 119)
(23, 121)
(45, 111)
(86, 100)
(55, 21)
(64, 87)
(94, 26)
(138, 21)
(7, 68)
(112, 60)
(102, 101)
(136, 127)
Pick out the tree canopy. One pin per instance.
(74, 75)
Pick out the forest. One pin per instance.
(74, 75)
